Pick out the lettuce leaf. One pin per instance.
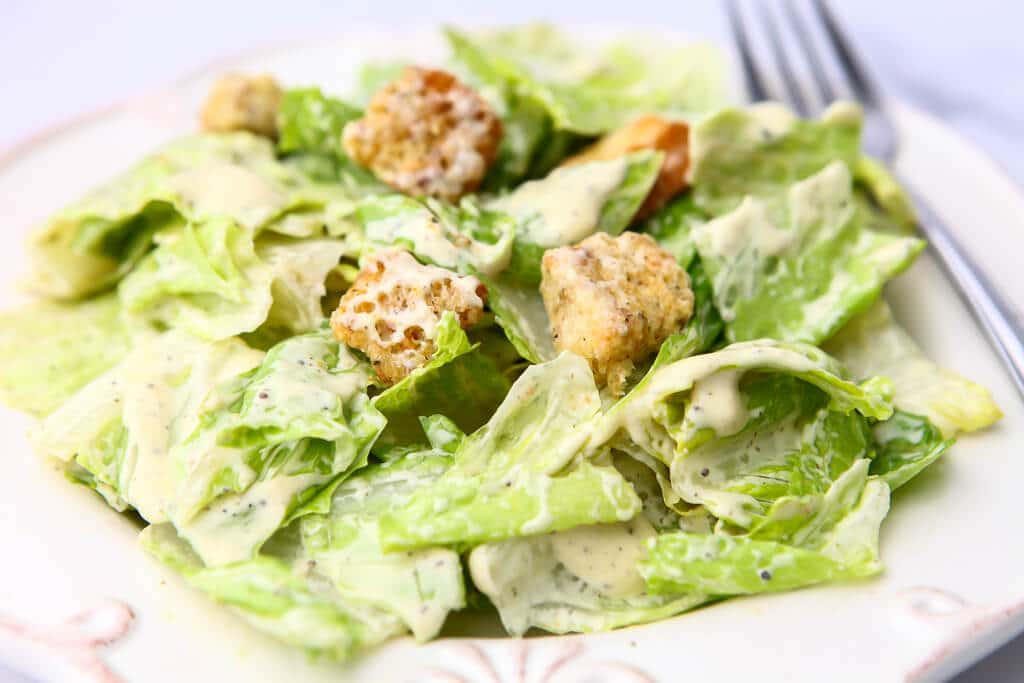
(873, 343)
(723, 565)
(276, 597)
(672, 227)
(51, 350)
(271, 445)
(517, 475)
(91, 244)
(799, 269)
(761, 150)
(215, 281)
(421, 586)
(459, 382)
(907, 444)
(465, 238)
(588, 89)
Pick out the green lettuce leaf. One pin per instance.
(519, 311)
(275, 596)
(723, 565)
(887, 205)
(593, 89)
(465, 238)
(672, 227)
(873, 343)
(420, 586)
(907, 444)
(459, 382)
(517, 475)
(271, 445)
(51, 350)
(744, 426)
(215, 281)
(761, 150)
(798, 269)
(94, 242)
(310, 125)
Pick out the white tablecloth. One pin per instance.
(962, 61)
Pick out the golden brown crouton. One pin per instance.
(614, 300)
(239, 102)
(647, 132)
(426, 134)
(391, 311)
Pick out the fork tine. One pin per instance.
(756, 85)
(789, 76)
(863, 88)
(803, 35)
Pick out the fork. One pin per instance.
(880, 139)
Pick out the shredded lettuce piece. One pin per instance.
(592, 90)
(51, 350)
(459, 381)
(798, 269)
(517, 475)
(873, 343)
(907, 444)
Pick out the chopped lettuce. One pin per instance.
(761, 150)
(225, 442)
(907, 444)
(519, 311)
(310, 125)
(51, 350)
(464, 238)
(271, 445)
(215, 281)
(588, 89)
(531, 585)
(799, 268)
(276, 596)
(420, 586)
(518, 474)
(459, 381)
(91, 244)
(873, 343)
(673, 225)
(747, 425)
(887, 205)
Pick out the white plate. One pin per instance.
(954, 585)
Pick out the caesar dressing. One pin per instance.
(234, 527)
(606, 555)
(748, 227)
(716, 403)
(567, 203)
(222, 188)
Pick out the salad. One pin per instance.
(549, 329)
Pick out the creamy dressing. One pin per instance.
(843, 112)
(764, 121)
(234, 527)
(223, 188)
(606, 555)
(567, 203)
(716, 403)
(748, 227)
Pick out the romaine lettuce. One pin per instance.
(51, 350)
(797, 268)
(873, 343)
(517, 475)
(592, 90)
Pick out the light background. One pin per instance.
(963, 61)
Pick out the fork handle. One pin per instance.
(1001, 324)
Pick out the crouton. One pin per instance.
(614, 300)
(392, 309)
(647, 132)
(239, 102)
(426, 134)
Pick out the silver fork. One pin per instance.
(881, 139)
